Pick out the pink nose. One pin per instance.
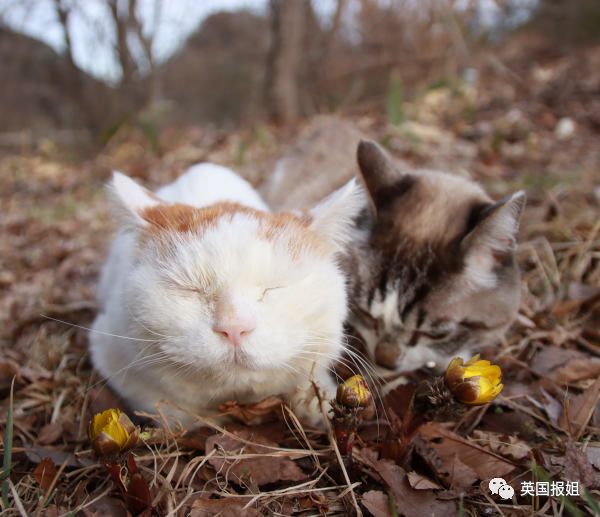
(234, 331)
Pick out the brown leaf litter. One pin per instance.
(55, 227)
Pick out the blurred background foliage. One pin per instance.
(279, 61)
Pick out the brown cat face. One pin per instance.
(438, 274)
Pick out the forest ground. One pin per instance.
(531, 122)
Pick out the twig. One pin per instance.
(17, 499)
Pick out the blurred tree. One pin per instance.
(36, 90)
(288, 19)
(577, 21)
(138, 84)
(138, 76)
(218, 74)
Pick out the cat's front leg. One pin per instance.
(306, 403)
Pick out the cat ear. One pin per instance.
(377, 169)
(333, 218)
(131, 197)
(494, 235)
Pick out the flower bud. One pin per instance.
(354, 393)
(111, 432)
(475, 382)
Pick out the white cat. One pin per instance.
(208, 297)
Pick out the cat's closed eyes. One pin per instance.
(431, 265)
(207, 297)
(437, 271)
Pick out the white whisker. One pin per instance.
(94, 330)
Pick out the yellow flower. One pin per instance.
(111, 432)
(354, 392)
(475, 382)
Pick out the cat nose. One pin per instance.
(234, 318)
(234, 332)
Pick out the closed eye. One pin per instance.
(435, 334)
(188, 289)
(264, 293)
(474, 325)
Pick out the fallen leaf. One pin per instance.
(550, 357)
(269, 466)
(103, 398)
(8, 370)
(579, 409)
(552, 407)
(50, 433)
(577, 370)
(253, 414)
(457, 474)
(576, 466)
(399, 399)
(565, 365)
(510, 422)
(58, 456)
(56, 511)
(579, 295)
(44, 473)
(408, 501)
(419, 482)
(462, 461)
(196, 438)
(377, 503)
(593, 455)
(203, 507)
(104, 507)
(579, 291)
(504, 445)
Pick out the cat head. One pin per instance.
(441, 274)
(228, 290)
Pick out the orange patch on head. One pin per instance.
(182, 218)
(298, 232)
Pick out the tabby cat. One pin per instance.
(432, 267)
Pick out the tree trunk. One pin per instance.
(284, 59)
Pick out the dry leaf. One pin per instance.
(253, 414)
(593, 455)
(50, 433)
(377, 503)
(269, 467)
(577, 370)
(576, 467)
(419, 482)
(513, 422)
(552, 406)
(103, 398)
(408, 501)
(462, 461)
(55, 227)
(57, 456)
(8, 370)
(504, 445)
(203, 507)
(579, 409)
(565, 365)
(196, 438)
(579, 295)
(44, 473)
(105, 507)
